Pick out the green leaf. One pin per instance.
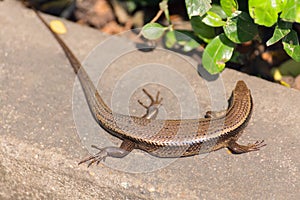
(290, 68)
(170, 39)
(153, 31)
(190, 45)
(229, 6)
(213, 19)
(163, 5)
(217, 53)
(291, 45)
(291, 11)
(281, 30)
(218, 10)
(240, 27)
(203, 31)
(265, 12)
(197, 7)
(182, 38)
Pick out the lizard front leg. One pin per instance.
(215, 114)
(236, 148)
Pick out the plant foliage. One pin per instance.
(223, 24)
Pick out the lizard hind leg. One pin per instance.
(152, 109)
(116, 152)
(127, 146)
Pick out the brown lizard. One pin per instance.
(160, 137)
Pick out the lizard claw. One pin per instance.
(238, 149)
(256, 146)
(152, 109)
(97, 158)
(154, 102)
(115, 152)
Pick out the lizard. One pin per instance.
(160, 137)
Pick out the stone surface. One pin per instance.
(40, 145)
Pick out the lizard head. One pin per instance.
(241, 88)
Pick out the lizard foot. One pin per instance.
(98, 157)
(215, 114)
(238, 149)
(115, 152)
(152, 109)
(256, 146)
